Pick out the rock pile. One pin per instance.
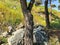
(39, 36)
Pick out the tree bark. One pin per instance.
(47, 14)
(29, 29)
(28, 17)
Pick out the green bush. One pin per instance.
(4, 40)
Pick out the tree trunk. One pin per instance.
(50, 11)
(47, 14)
(28, 40)
(28, 17)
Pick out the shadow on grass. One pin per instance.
(55, 26)
(55, 22)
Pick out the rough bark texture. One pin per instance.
(28, 17)
(29, 30)
(47, 14)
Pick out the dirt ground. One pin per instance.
(54, 37)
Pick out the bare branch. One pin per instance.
(30, 5)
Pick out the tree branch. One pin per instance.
(23, 5)
(30, 5)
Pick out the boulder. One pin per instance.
(5, 34)
(39, 36)
(16, 37)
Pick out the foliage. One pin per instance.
(10, 13)
(53, 5)
(4, 40)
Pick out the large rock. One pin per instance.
(16, 37)
(39, 36)
(5, 34)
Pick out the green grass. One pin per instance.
(12, 13)
(4, 40)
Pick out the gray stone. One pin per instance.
(16, 37)
(4, 34)
(9, 28)
(39, 36)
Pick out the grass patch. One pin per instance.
(4, 40)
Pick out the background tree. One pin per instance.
(47, 14)
(50, 9)
(51, 6)
(38, 2)
(59, 5)
(28, 40)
